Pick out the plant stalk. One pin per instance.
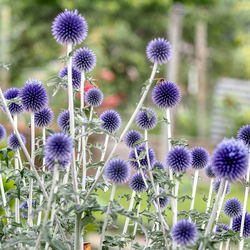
(228, 241)
(196, 176)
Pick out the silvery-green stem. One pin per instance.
(214, 211)
(21, 165)
(137, 215)
(228, 241)
(111, 199)
(46, 215)
(140, 169)
(138, 107)
(241, 244)
(91, 113)
(196, 175)
(3, 195)
(221, 246)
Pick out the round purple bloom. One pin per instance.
(146, 119)
(111, 121)
(2, 132)
(166, 95)
(131, 138)
(179, 159)
(13, 142)
(184, 233)
(58, 147)
(232, 207)
(76, 76)
(13, 107)
(94, 97)
(63, 121)
(159, 50)
(217, 186)
(230, 160)
(237, 224)
(163, 200)
(69, 27)
(24, 206)
(50, 163)
(221, 227)
(143, 161)
(159, 164)
(244, 134)
(84, 59)
(117, 171)
(34, 96)
(200, 158)
(44, 118)
(137, 183)
(209, 173)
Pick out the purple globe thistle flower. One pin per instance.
(179, 159)
(13, 142)
(237, 224)
(76, 76)
(137, 183)
(69, 27)
(13, 107)
(50, 163)
(164, 200)
(2, 132)
(131, 139)
(200, 158)
(146, 119)
(209, 173)
(111, 121)
(44, 118)
(94, 97)
(84, 59)
(159, 165)
(58, 147)
(232, 207)
(143, 161)
(63, 121)
(34, 96)
(24, 206)
(117, 171)
(244, 134)
(217, 186)
(166, 95)
(159, 50)
(184, 233)
(221, 227)
(230, 160)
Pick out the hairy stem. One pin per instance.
(196, 176)
(228, 241)
(131, 203)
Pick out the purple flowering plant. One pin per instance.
(57, 200)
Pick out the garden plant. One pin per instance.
(55, 199)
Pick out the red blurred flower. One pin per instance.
(106, 75)
(113, 101)
(87, 86)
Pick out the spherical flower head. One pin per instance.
(137, 183)
(221, 227)
(13, 142)
(44, 118)
(13, 107)
(244, 134)
(34, 96)
(58, 146)
(159, 165)
(237, 224)
(217, 186)
(159, 50)
(2, 132)
(144, 161)
(230, 160)
(200, 158)
(69, 27)
(76, 76)
(111, 121)
(163, 200)
(63, 121)
(24, 208)
(131, 139)
(179, 159)
(146, 119)
(232, 207)
(117, 171)
(184, 233)
(166, 95)
(63, 164)
(94, 97)
(84, 59)
(209, 173)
